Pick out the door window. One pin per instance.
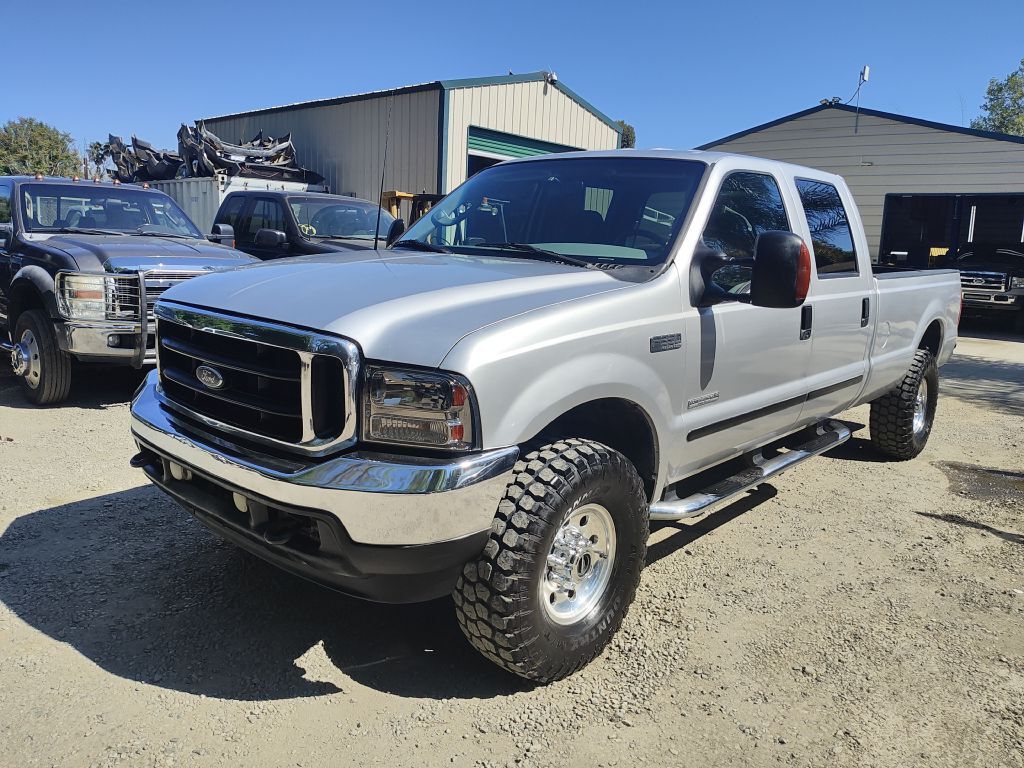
(831, 236)
(231, 211)
(747, 205)
(266, 214)
(5, 203)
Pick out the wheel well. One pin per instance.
(932, 339)
(24, 297)
(619, 424)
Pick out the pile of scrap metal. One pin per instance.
(201, 153)
(204, 154)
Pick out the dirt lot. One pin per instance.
(854, 613)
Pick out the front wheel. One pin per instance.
(43, 367)
(562, 563)
(901, 419)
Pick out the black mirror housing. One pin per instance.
(271, 238)
(6, 235)
(781, 272)
(395, 231)
(222, 232)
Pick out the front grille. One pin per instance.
(123, 298)
(989, 281)
(270, 383)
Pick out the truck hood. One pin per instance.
(130, 253)
(397, 305)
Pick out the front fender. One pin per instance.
(37, 281)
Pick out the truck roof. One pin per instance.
(297, 193)
(68, 181)
(750, 161)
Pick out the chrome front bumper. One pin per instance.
(88, 341)
(379, 499)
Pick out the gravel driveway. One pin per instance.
(856, 612)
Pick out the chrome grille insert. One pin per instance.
(988, 281)
(275, 385)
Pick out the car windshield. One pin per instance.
(603, 210)
(102, 207)
(348, 219)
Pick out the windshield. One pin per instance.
(348, 219)
(614, 210)
(110, 208)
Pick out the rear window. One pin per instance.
(831, 236)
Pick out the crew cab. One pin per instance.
(561, 351)
(81, 265)
(274, 224)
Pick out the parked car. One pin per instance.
(564, 349)
(81, 265)
(993, 281)
(271, 225)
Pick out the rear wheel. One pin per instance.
(43, 367)
(562, 563)
(901, 419)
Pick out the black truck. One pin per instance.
(274, 224)
(81, 265)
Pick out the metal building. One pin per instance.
(441, 132)
(921, 187)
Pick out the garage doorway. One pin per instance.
(486, 148)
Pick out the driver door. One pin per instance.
(747, 365)
(6, 244)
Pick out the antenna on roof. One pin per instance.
(383, 167)
(865, 75)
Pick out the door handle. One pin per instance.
(806, 319)
(865, 312)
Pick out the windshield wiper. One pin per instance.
(80, 231)
(532, 251)
(140, 231)
(419, 245)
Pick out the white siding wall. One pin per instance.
(345, 142)
(534, 110)
(888, 156)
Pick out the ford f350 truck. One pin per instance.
(563, 350)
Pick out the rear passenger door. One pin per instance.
(840, 298)
(6, 243)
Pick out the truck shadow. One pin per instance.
(134, 584)
(989, 383)
(92, 387)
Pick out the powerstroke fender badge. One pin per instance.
(697, 402)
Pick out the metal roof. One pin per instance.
(995, 135)
(436, 85)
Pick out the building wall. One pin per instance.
(888, 156)
(535, 110)
(345, 141)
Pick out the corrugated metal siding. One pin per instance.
(888, 156)
(345, 142)
(535, 110)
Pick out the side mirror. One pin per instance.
(781, 272)
(396, 230)
(715, 276)
(271, 238)
(222, 232)
(6, 235)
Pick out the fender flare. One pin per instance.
(41, 283)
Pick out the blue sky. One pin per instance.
(681, 75)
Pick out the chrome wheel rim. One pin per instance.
(921, 407)
(579, 566)
(25, 359)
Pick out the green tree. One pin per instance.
(628, 134)
(97, 153)
(28, 146)
(1004, 104)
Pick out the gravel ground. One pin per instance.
(856, 612)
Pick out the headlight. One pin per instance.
(83, 297)
(1016, 282)
(433, 410)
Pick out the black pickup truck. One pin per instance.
(274, 224)
(992, 280)
(81, 265)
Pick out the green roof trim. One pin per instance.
(510, 145)
(995, 135)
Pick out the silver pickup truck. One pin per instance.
(563, 350)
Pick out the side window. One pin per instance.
(831, 236)
(231, 210)
(266, 214)
(5, 203)
(747, 205)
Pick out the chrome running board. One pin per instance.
(828, 435)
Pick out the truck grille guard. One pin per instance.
(251, 381)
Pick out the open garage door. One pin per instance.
(487, 147)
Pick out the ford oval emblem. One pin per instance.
(209, 377)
